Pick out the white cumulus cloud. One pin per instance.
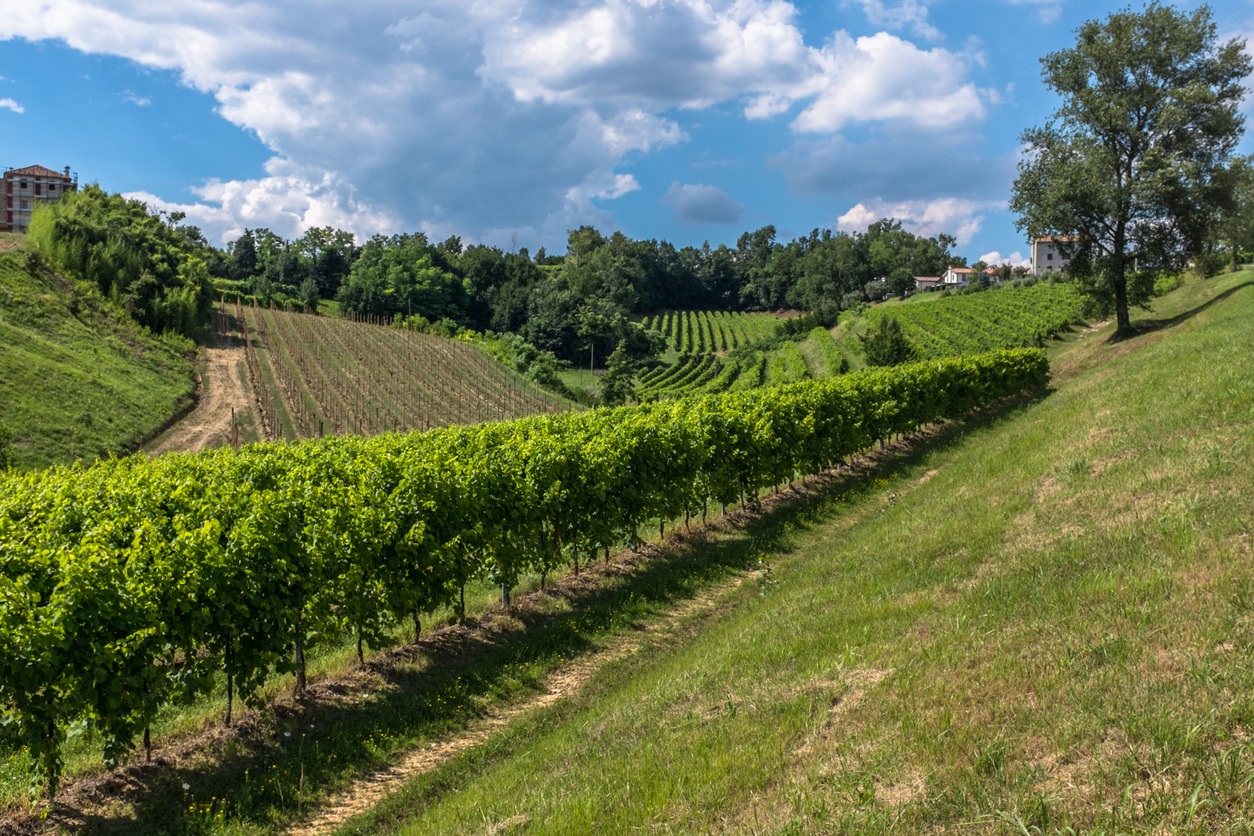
(1015, 259)
(287, 201)
(499, 119)
(906, 13)
(10, 104)
(884, 78)
(959, 217)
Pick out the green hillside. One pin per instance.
(716, 351)
(78, 379)
(971, 322)
(1037, 620)
(1039, 623)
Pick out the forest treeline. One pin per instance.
(582, 301)
(585, 298)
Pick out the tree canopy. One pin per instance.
(139, 259)
(1130, 172)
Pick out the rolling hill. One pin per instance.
(78, 378)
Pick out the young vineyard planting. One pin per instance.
(718, 351)
(326, 376)
(136, 583)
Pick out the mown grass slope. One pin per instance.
(1041, 622)
(78, 378)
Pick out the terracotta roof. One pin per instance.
(36, 171)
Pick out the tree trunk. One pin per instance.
(300, 662)
(1119, 278)
(230, 680)
(230, 698)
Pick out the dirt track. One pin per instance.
(222, 372)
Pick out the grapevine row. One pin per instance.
(134, 583)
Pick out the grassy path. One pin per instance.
(566, 681)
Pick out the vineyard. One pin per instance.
(987, 321)
(697, 347)
(140, 583)
(710, 332)
(715, 351)
(321, 375)
(718, 351)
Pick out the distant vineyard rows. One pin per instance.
(987, 321)
(322, 375)
(701, 342)
(710, 332)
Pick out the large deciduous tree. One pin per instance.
(1130, 169)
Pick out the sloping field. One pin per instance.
(318, 375)
(78, 379)
(700, 344)
(1044, 622)
(710, 332)
(697, 345)
(1000, 318)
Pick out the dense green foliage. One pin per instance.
(135, 258)
(126, 585)
(79, 379)
(886, 345)
(1133, 167)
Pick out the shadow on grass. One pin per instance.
(1149, 326)
(260, 773)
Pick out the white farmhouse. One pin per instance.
(1047, 254)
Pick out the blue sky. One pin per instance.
(509, 122)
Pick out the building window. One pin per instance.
(1049, 257)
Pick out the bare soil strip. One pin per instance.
(221, 391)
